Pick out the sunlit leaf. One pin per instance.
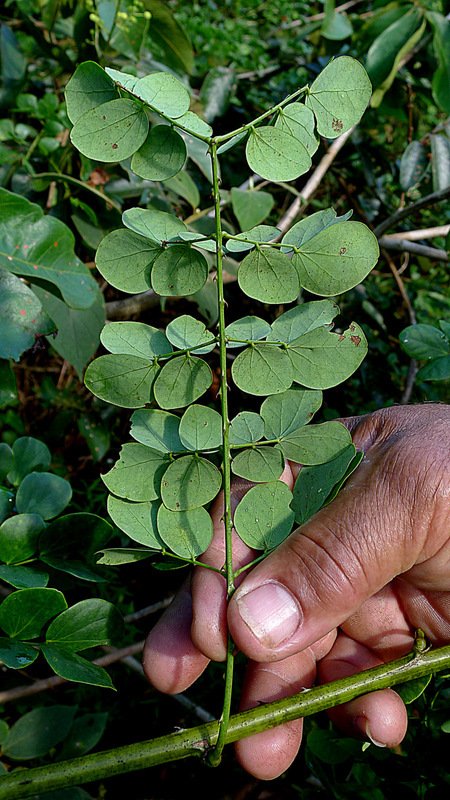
(276, 155)
(112, 131)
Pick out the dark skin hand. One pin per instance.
(345, 592)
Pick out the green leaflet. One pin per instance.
(246, 428)
(111, 132)
(41, 249)
(30, 455)
(44, 494)
(23, 614)
(250, 207)
(246, 329)
(88, 623)
(162, 155)
(263, 518)
(276, 155)
(23, 577)
(178, 271)
(312, 225)
(336, 259)
(138, 472)
(259, 464)
(72, 667)
(22, 317)
(195, 124)
(299, 121)
(301, 319)
(157, 429)
(164, 92)
(137, 520)
(201, 428)
(284, 413)
(248, 239)
(314, 484)
(262, 369)
(187, 333)
(187, 533)
(322, 359)
(189, 482)
(18, 537)
(15, 654)
(88, 87)
(269, 276)
(123, 380)
(339, 96)
(424, 341)
(66, 538)
(6, 460)
(125, 258)
(135, 339)
(315, 444)
(36, 732)
(181, 381)
(156, 225)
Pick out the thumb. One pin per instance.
(327, 568)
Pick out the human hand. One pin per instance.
(345, 591)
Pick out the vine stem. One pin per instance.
(20, 784)
(214, 757)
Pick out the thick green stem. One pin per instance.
(197, 741)
(215, 756)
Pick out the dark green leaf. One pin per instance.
(384, 49)
(189, 482)
(17, 655)
(187, 533)
(178, 271)
(216, 91)
(38, 731)
(162, 155)
(269, 276)
(441, 42)
(6, 503)
(170, 36)
(44, 494)
(69, 538)
(123, 555)
(286, 412)
(440, 161)
(322, 359)
(6, 460)
(259, 464)
(72, 667)
(124, 258)
(22, 317)
(437, 370)
(262, 369)
(24, 613)
(412, 690)
(315, 444)
(23, 577)
(157, 429)
(137, 520)
(138, 472)
(424, 341)
(41, 249)
(18, 537)
(111, 132)
(84, 734)
(30, 455)
(263, 518)
(246, 428)
(123, 380)
(88, 87)
(339, 96)
(181, 381)
(88, 623)
(413, 165)
(314, 484)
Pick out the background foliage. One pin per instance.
(56, 206)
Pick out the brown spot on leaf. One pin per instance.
(115, 146)
(337, 125)
(356, 340)
(342, 251)
(341, 337)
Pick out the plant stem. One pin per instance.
(21, 784)
(216, 755)
(289, 99)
